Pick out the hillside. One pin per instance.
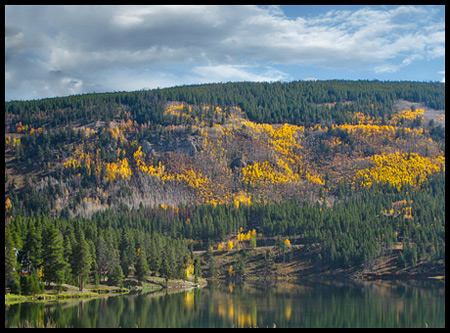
(203, 153)
(352, 167)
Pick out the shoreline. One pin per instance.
(153, 283)
(187, 285)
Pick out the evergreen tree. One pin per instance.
(31, 254)
(102, 257)
(154, 256)
(212, 268)
(31, 284)
(197, 269)
(127, 252)
(94, 267)
(115, 276)
(168, 269)
(240, 268)
(11, 266)
(141, 264)
(68, 253)
(54, 265)
(82, 260)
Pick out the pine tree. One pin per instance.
(54, 265)
(115, 276)
(94, 267)
(212, 268)
(141, 264)
(82, 260)
(11, 266)
(31, 284)
(31, 254)
(197, 269)
(154, 255)
(102, 257)
(127, 250)
(68, 253)
(240, 270)
(168, 269)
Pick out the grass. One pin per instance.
(91, 291)
(13, 298)
(68, 292)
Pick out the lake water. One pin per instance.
(283, 304)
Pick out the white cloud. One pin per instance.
(392, 68)
(75, 86)
(442, 73)
(225, 43)
(127, 21)
(225, 73)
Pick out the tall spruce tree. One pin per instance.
(141, 264)
(53, 255)
(11, 276)
(82, 260)
(31, 254)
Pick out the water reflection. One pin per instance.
(223, 304)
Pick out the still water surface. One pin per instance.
(281, 304)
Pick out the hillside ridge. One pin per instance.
(205, 153)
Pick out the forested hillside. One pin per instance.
(351, 166)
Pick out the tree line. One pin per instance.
(41, 250)
(299, 102)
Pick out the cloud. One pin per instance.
(87, 44)
(443, 73)
(392, 68)
(225, 73)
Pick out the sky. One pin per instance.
(65, 50)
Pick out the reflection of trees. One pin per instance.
(330, 305)
(287, 304)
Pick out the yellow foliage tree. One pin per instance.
(139, 157)
(189, 270)
(407, 115)
(121, 168)
(8, 206)
(398, 169)
(265, 172)
(242, 198)
(116, 133)
(242, 236)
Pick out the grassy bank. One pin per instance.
(91, 291)
(66, 292)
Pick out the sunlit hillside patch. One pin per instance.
(400, 169)
(410, 115)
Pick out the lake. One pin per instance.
(255, 304)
